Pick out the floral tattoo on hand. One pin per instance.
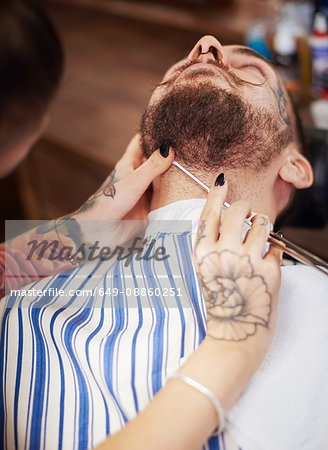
(237, 299)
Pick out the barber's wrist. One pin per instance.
(253, 348)
(226, 369)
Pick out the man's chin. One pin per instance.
(199, 118)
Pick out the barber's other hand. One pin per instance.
(123, 194)
(239, 286)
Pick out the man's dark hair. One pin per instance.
(31, 64)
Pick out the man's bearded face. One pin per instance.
(212, 127)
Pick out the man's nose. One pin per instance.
(208, 48)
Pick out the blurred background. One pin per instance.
(116, 52)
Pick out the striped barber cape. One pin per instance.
(76, 367)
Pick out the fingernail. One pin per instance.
(165, 149)
(220, 180)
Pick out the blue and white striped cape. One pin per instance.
(75, 369)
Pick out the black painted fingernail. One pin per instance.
(165, 149)
(220, 180)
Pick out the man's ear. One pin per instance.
(296, 169)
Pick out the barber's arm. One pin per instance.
(240, 290)
(61, 244)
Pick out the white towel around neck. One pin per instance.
(285, 406)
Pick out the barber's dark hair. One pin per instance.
(31, 64)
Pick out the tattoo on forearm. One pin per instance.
(237, 299)
(68, 226)
(67, 230)
(282, 103)
(108, 189)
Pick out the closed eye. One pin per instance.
(251, 67)
(254, 67)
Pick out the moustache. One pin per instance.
(232, 77)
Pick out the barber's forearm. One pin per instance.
(45, 250)
(223, 367)
(178, 418)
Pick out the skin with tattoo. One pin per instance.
(67, 226)
(265, 221)
(231, 314)
(236, 281)
(233, 90)
(245, 126)
(96, 221)
(228, 281)
(282, 104)
(108, 189)
(238, 297)
(200, 234)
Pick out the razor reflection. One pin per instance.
(276, 239)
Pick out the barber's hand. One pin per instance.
(239, 286)
(123, 194)
(95, 225)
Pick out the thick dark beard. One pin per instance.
(210, 128)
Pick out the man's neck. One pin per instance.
(164, 195)
(175, 185)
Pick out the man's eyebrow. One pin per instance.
(250, 52)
